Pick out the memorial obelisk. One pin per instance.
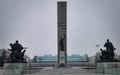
(62, 32)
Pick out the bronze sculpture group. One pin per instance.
(108, 54)
(17, 52)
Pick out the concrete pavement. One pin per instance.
(73, 70)
(66, 71)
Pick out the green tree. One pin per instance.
(2, 58)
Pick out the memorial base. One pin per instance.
(108, 67)
(62, 58)
(13, 68)
(61, 66)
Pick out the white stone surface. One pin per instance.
(62, 57)
(108, 67)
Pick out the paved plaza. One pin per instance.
(67, 71)
(1, 72)
(64, 71)
(74, 70)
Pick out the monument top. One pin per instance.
(62, 12)
(62, 1)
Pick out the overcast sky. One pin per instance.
(34, 24)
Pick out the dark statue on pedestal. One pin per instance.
(108, 54)
(17, 52)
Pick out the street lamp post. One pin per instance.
(97, 47)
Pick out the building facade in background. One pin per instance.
(55, 58)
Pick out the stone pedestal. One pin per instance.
(108, 67)
(13, 68)
(62, 57)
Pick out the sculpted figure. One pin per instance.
(61, 43)
(108, 54)
(16, 52)
(110, 49)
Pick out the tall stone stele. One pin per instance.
(62, 32)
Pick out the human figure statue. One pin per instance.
(104, 55)
(16, 52)
(61, 43)
(11, 47)
(22, 55)
(110, 49)
(17, 46)
(108, 54)
(13, 52)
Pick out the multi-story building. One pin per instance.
(73, 57)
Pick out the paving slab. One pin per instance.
(73, 70)
(62, 71)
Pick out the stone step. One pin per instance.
(73, 70)
(31, 70)
(52, 70)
